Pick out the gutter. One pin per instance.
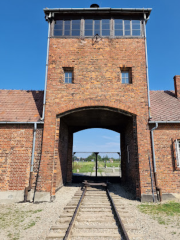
(158, 189)
(27, 189)
(163, 122)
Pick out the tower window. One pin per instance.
(68, 77)
(125, 77)
(67, 28)
(68, 74)
(100, 27)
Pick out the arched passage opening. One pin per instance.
(117, 120)
(96, 155)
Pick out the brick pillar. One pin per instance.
(177, 85)
(123, 157)
(69, 157)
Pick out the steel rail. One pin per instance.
(121, 225)
(68, 232)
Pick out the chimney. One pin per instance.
(177, 85)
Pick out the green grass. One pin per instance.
(161, 212)
(85, 167)
(169, 208)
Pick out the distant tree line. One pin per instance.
(93, 157)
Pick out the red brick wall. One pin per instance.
(97, 82)
(167, 175)
(15, 155)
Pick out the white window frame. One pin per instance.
(177, 144)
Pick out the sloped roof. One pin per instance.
(21, 105)
(27, 106)
(164, 106)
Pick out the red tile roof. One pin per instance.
(26, 106)
(164, 106)
(21, 105)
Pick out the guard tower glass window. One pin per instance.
(125, 77)
(127, 28)
(100, 27)
(68, 77)
(67, 27)
(118, 26)
(136, 28)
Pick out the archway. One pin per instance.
(117, 120)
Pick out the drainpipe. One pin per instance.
(48, 18)
(27, 189)
(147, 71)
(158, 189)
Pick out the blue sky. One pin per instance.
(23, 43)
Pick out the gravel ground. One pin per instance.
(33, 221)
(30, 221)
(146, 227)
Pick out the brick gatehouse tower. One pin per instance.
(96, 77)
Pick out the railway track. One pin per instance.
(91, 214)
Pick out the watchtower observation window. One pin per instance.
(102, 27)
(127, 27)
(67, 27)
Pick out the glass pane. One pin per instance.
(88, 32)
(137, 22)
(105, 24)
(67, 27)
(127, 33)
(75, 32)
(58, 26)
(118, 32)
(97, 27)
(123, 80)
(70, 74)
(127, 24)
(105, 32)
(136, 25)
(66, 74)
(88, 27)
(59, 22)
(136, 32)
(118, 22)
(89, 21)
(76, 24)
(66, 80)
(57, 33)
